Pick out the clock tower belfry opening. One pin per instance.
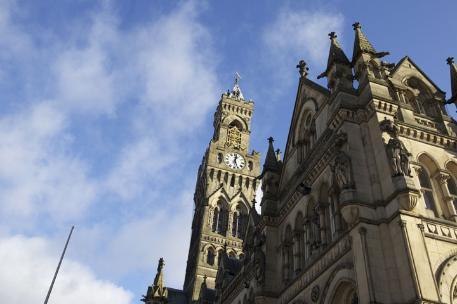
(226, 185)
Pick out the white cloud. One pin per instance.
(176, 63)
(165, 71)
(38, 175)
(27, 270)
(302, 34)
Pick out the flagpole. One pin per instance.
(58, 266)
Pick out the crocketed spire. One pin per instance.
(159, 290)
(453, 68)
(271, 160)
(336, 55)
(362, 45)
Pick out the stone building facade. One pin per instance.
(362, 209)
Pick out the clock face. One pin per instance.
(234, 160)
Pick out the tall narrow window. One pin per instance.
(236, 219)
(210, 256)
(426, 189)
(453, 191)
(215, 219)
(222, 222)
(219, 257)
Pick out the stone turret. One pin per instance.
(339, 70)
(270, 179)
(157, 293)
(365, 58)
(453, 68)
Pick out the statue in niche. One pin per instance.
(396, 150)
(399, 157)
(259, 256)
(342, 171)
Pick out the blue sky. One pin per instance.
(106, 110)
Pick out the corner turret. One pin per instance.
(270, 179)
(157, 293)
(339, 70)
(365, 58)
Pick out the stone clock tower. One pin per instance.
(226, 186)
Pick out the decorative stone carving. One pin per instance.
(396, 150)
(343, 171)
(408, 200)
(259, 257)
(350, 214)
(315, 293)
(302, 68)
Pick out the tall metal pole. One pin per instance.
(58, 266)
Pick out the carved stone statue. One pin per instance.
(396, 150)
(342, 170)
(399, 157)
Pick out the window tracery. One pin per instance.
(427, 189)
(420, 98)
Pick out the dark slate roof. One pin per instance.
(176, 296)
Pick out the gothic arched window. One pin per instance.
(421, 99)
(220, 253)
(234, 135)
(239, 222)
(220, 219)
(288, 254)
(299, 242)
(215, 219)
(210, 256)
(452, 186)
(427, 189)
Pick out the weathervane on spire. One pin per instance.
(236, 92)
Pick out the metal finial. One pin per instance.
(204, 278)
(236, 91)
(450, 60)
(356, 25)
(302, 68)
(332, 35)
(270, 140)
(237, 78)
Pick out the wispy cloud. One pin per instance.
(157, 81)
(27, 271)
(303, 33)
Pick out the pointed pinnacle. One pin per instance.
(450, 60)
(332, 35)
(356, 25)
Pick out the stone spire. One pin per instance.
(271, 160)
(362, 45)
(157, 293)
(336, 55)
(453, 68)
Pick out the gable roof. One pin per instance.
(407, 58)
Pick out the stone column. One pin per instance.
(442, 179)
(323, 225)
